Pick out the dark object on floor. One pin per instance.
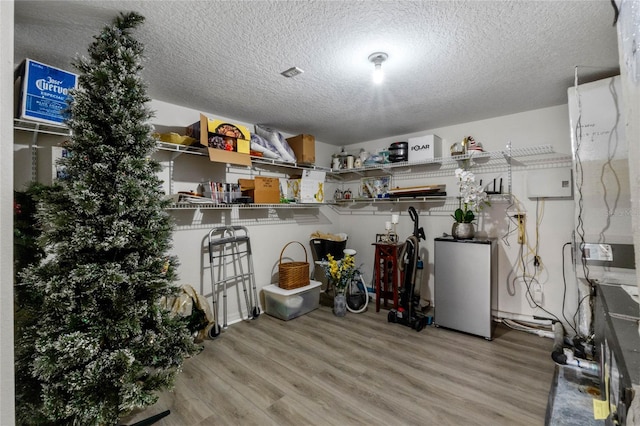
(151, 420)
(409, 312)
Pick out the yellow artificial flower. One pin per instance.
(340, 272)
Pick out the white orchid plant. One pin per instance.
(472, 197)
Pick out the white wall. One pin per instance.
(271, 230)
(533, 128)
(7, 408)
(630, 80)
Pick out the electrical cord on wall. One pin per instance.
(616, 12)
(564, 295)
(537, 261)
(533, 279)
(514, 218)
(612, 146)
(608, 164)
(511, 288)
(509, 231)
(530, 255)
(514, 202)
(579, 138)
(518, 220)
(579, 175)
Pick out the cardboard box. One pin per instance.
(309, 188)
(43, 91)
(289, 304)
(424, 148)
(238, 135)
(243, 146)
(304, 146)
(263, 190)
(232, 130)
(247, 184)
(215, 154)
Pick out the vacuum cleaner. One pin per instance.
(409, 312)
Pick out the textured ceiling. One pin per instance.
(449, 62)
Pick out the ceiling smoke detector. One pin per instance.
(292, 72)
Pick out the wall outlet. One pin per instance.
(521, 238)
(537, 295)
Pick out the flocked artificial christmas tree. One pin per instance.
(100, 344)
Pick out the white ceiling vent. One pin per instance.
(292, 72)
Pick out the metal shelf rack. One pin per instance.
(214, 206)
(478, 160)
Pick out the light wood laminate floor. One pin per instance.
(319, 369)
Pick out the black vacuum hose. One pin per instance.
(557, 354)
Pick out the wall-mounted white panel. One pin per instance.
(549, 183)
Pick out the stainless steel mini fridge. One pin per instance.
(465, 277)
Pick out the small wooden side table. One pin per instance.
(387, 276)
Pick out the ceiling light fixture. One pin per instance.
(378, 58)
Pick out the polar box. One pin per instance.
(424, 148)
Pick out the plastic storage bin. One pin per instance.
(288, 304)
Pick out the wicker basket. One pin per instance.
(293, 274)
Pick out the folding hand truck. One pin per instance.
(228, 246)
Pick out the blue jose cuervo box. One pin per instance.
(44, 91)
